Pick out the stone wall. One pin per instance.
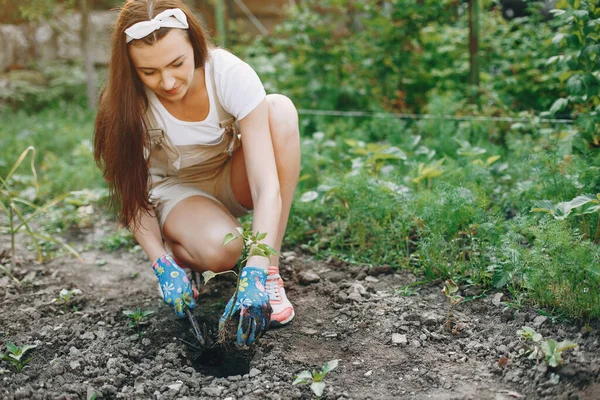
(55, 40)
(59, 40)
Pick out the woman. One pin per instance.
(188, 141)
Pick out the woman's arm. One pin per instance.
(147, 234)
(262, 176)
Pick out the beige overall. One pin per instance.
(180, 171)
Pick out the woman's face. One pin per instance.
(167, 66)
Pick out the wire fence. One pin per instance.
(366, 114)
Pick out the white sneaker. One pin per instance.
(283, 311)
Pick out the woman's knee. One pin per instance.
(214, 256)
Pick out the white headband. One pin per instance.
(172, 18)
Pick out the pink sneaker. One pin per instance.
(283, 311)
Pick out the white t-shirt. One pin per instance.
(239, 90)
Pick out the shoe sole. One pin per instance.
(278, 324)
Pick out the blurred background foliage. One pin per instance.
(482, 184)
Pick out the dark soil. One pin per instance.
(390, 346)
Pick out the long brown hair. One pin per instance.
(120, 136)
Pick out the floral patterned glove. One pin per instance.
(174, 284)
(253, 304)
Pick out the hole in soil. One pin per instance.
(222, 361)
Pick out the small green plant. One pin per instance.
(64, 296)
(137, 318)
(15, 354)
(428, 172)
(315, 378)
(450, 290)
(13, 201)
(545, 350)
(252, 246)
(590, 204)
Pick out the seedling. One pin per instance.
(252, 246)
(548, 350)
(315, 378)
(137, 318)
(15, 355)
(450, 290)
(64, 296)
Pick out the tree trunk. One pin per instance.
(86, 51)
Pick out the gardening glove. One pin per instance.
(252, 302)
(175, 286)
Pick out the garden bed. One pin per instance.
(391, 339)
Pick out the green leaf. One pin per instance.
(581, 200)
(260, 236)
(208, 275)
(229, 238)
(129, 313)
(558, 105)
(10, 346)
(303, 377)
(330, 366)
(257, 251)
(317, 388)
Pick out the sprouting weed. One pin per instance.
(315, 378)
(137, 318)
(545, 350)
(64, 296)
(15, 354)
(450, 290)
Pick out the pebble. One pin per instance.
(497, 299)
(398, 338)
(415, 343)
(254, 372)
(75, 365)
(539, 320)
(368, 373)
(213, 391)
(23, 393)
(308, 277)
(309, 332)
(176, 386)
(354, 296)
(371, 279)
(87, 336)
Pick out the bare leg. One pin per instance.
(283, 123)
(195, 229)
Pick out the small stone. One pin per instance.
(212, 391)
(87, 336)
(175, 386)
(308, 277)
(259, 392)
(368, 373)
(23, 393)
(309, 332)
(355, 297)
(539, 320)
(497, 299)
(371, 279)
(254, 372)
(75, 365)
(397, 338)
(74, 352)
(357, 287)
(415, 343)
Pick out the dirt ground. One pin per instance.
(389, 345)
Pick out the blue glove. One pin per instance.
(253, 304)
(175, 286)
